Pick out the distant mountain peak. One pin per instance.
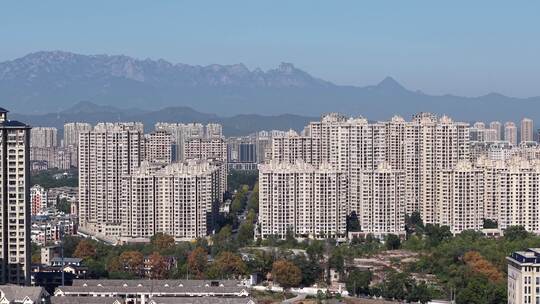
(286, 68)
(389, 83)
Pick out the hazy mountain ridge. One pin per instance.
(232, 126)
(47, 82)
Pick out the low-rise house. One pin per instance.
(14, 294)
(141, 291)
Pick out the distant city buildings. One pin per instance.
(44, 137)
(510, 133)
(527, 130)
(72, 131)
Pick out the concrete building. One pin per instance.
(519, 195)
(38, 199)
(43, 137)
(107, 153)
(524, 277)
(382, 204)
(15, 198)
(181, 133)
(460, 197)
(179, 199)
(497, 126)
(510, 133)
(158, 147)
(213, 130)
(72, 131)
(56, 157)
(303, 199)
(527, 133)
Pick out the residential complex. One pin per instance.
(106, 154)
(72, 131)
(43, 137)
(15, 200)
(158, 147)
(179, 199)
(181, 133)
(302, 199)
(450, 172)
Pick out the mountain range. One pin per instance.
(242, 124)
(52, 82)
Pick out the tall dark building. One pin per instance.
(15, 195)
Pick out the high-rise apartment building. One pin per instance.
(303, 199)
(15, 197)
(107, 153)
(519, 194)
(527, 130)
(72, 131)
(214, 130)
(510, 133)
(382, 201)
(158, 147)
(43, 137)
(420, 148)
(178, 199)
(460, 196)
(181, 133)
(38, 199)
(497, 126)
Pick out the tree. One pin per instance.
(63, 205)
(337, 261)
(311, 271)
(253, 203)
(358, 281)
(315, 251)
(228, 263)
(392, 242)
(161, 241)
(513, 233)
(197, 262)
(413, 222)
(114, 265)
(223, 241)
(286, 274)
(158, 266)
(437, 234)
(96, 268)
(353, 224)
(397, 285)
(480, 265)
(70, 244)
(245, 233)
(132, 261)
(490, 224)
(420, 293)
(85, 249)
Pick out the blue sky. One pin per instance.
(459, 47)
